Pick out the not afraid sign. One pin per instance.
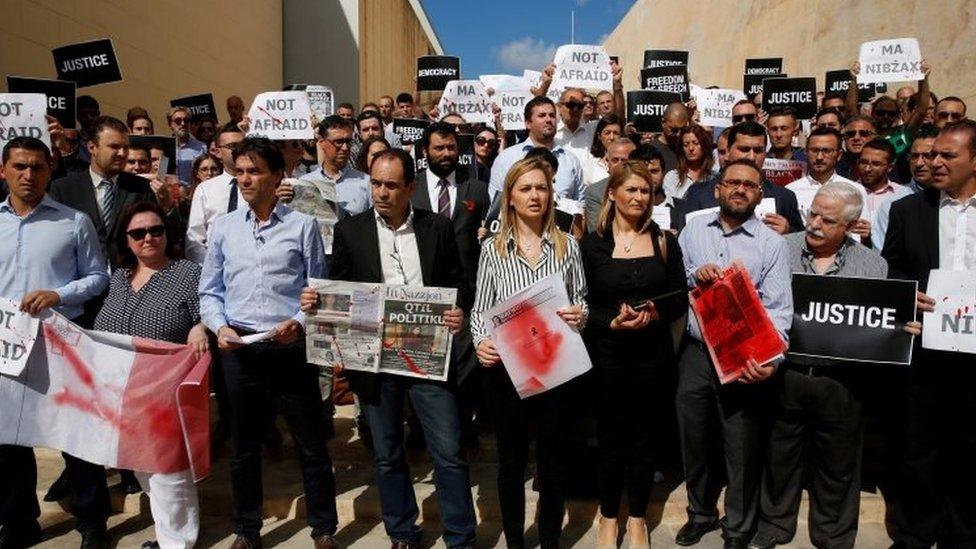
(60, 96)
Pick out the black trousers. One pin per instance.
(514, 417)
(935, 497)
(251, 373)
(720, 429)
(627, 422)
(818, 418)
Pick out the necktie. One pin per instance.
(444, 199)
(107, 203)
(232, 201)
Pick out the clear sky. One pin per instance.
(507, 36)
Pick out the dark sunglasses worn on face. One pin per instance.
(155, 231)
(743, 118)
(858, 133)
(486, 141)
(946, 115)
(573, 105)
(885, 112)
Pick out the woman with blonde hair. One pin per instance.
(527, 248)
(637, 288)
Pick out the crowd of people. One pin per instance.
(91, 228)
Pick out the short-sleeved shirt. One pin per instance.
(165, 308)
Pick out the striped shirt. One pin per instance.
(499, 278)
(762, 251)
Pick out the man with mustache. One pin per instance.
(823, 150)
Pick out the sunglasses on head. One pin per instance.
(485, 141)
(155, 231)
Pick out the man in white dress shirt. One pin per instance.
(823, 151)
(215, 196)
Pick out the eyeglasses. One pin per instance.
(339, 143)
(155, 231)
(947, 115)
(485, 141)
(885, 112)
(573, 105)
(849, 134)
(743, 118)
(744, 183)
(819, 151)
(229, 146)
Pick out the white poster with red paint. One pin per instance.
(952, 326)
(381, 328)
(538, 349)
(115, 400)
(17, 334)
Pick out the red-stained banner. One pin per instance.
(734, 323)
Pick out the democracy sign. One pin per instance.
(664, 58)
(579, 66)
(782, 172)
(199, 105)
(799, 94)
(22, 114)
(87, 63)
(838, 81)
(410, 130)
(752, 84)
(715, 105)
(952, 326)
(766, 65)
(60, 96)
(645, 108)
(435, 71)
(320, 100)
(852, 318)
(667, 78)
(468, 99)
(281, 115)
(896, 60)
(18, 331)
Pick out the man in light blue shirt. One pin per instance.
(258, 260)
(352, 189)
(49, 258)
(540, 121)
(187, 148)
(709, 244)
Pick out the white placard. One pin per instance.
(510, 93)
(281, 115)
(895, 60)
(22, 114)
(715, 106)
(320, 101)
(468, 99)
(534, 78)
(17, 334)
(580, 66)
(952, 327)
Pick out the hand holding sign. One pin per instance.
(23, 114)
(580, 66)
(896, 60)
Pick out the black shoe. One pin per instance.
(129, 484)
(20, 538)
(762, 541)
(59, 490)
(692, 532)
(736, 543)
(94, 539)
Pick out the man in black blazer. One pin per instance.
(394, 243)
(935, 480)
(104, 190)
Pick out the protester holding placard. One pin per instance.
(694, 161)
(637, 288)
(59, 264)
(595, 165)
(709, 244)
(188, 148)
(783, 127)
(823, 150)
(528, 247)
(936, 229)
(394, 243)
(334, 136)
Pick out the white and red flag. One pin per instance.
(115, 400)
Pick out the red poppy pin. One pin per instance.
(469, 204)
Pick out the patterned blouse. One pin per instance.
(165, 308)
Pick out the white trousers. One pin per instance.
(175, 508)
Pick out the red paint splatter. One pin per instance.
(68, 351)
(538, 347)
(90, 406)
(410, 363)
(533, 385)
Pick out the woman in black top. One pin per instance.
(155, 297)
(637, 287)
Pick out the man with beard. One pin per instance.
(715, 418)
(823, 150)
(921, 178)
(873, 165)
(188, 148)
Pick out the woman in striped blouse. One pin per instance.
(528, 247)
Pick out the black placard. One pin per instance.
(863, 321)
(164, 142)
(87, 63)
(664, 58)
(295, 87)
(435, 71)
(615, 59)
(645, 108)
(882, 87)
(199, 105)
(764, 65)
(670, 79)
(467, 161)
(837, 82)
(752, 84)
(60, 96)
(410, 130)
(799, 94)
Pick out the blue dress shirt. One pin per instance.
(253, 276)
(353, 192)
(763, 252)
(52, 248)
(569, 176)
